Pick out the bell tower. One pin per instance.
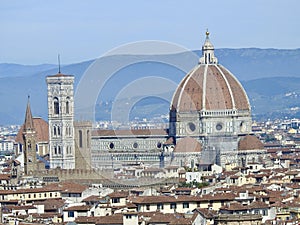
(61, 118)
(29, 137)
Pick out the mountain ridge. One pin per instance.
(252, 67)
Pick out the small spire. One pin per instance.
(207, 34)
(28, 124)
(58, 58)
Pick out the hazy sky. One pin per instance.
(35, 31)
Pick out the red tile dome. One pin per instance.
(209, 87)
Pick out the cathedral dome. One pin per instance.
(188, 144)
(250, 142)
(209, 86)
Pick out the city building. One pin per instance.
(210, 115)
(61, 121)
(209, 123)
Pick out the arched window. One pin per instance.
(67, 106)
(88, 138)
(59, 150)
(58, 131)
(192, 163)
(56, 105)
(54, 130)
(80, 138)
(55, 150)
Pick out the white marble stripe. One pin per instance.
(204, 87)
(228, 86)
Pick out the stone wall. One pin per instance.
(93, 176)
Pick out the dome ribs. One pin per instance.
(239, 94)
(209, 87)
(175, 99)
(217, 94)
(188, 96)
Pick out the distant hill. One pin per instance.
(17, 70)
(254, 63)
(271, 78)
(275, 97)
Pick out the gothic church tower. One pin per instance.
(29, 137)
(60, 118)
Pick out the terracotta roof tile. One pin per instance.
(86, 220)
(51, 204)
(207, 213)
(78, 208)
(221, 87)
(119, 194)
(21, 207)
(41, 128)
(115, 219)
(250, 142)
(235, 206)
(63, 187)
(4, 176)
(188, 144)
(92, 198)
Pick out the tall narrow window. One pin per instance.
(88, 138)
(58, 131)
(67, 106)
(56, 105)
(192, 163)
(54, 130)
(80, 138)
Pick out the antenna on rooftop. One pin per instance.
(58, 58)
